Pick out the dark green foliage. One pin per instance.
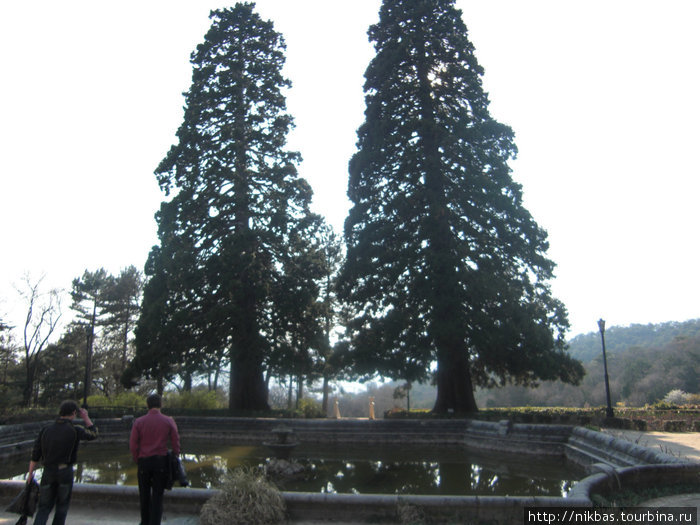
(10, 371)
(295, 327)
(328, 363)
(233, 236)
(107, 308)
(444, 264)
(122, 308)
(89, 299)
(62, 369)
(158, 337)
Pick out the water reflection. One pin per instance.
(343, 469)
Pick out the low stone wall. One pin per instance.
(586, 446)
(547, 440)
(536, 440)
(612, 463)
(609, 481)
(368, 508)
(17, 440)
(332, 431)
(304, 506)
(117, 497)
(578, 444)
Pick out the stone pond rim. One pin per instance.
(611, 462)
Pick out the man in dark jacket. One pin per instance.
(56, 447)
(149, 448)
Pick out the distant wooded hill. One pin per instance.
(645, 362)
(586, 347)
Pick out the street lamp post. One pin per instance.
(88, 364)
(608, 411)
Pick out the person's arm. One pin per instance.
(36, 456)
(83, 413)
(90, 431)
(32, 468)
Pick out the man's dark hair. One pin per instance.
(67, 408)
(153, 401)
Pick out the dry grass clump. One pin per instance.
(245, 498)
(410, 515)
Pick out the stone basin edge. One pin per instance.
(611, 463)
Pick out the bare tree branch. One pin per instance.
(43, 316)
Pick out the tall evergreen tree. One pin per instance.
(444, 264)
(236, 199)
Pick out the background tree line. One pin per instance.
(93, 349)
(647, 364)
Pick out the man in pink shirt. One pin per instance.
(149, 448)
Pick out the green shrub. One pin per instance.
(15, 415)
(196, 399)
(639, 424)
(130, 399)
(245, 498)
(663, 405)
(310, 408)
(674, 426)
(9, 399)
(98, 401)
(676, 397)
(122, 400)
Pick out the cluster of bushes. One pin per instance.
(193, 403)
(196, 400)
(677, 399)
(124, 400)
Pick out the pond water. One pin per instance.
(436, 470)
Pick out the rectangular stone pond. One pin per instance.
(348, 469)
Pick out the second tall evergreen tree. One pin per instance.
(445, 267)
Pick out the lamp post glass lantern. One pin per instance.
(608, 410)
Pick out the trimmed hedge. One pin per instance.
(666, 418)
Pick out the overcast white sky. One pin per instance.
(602, 95)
